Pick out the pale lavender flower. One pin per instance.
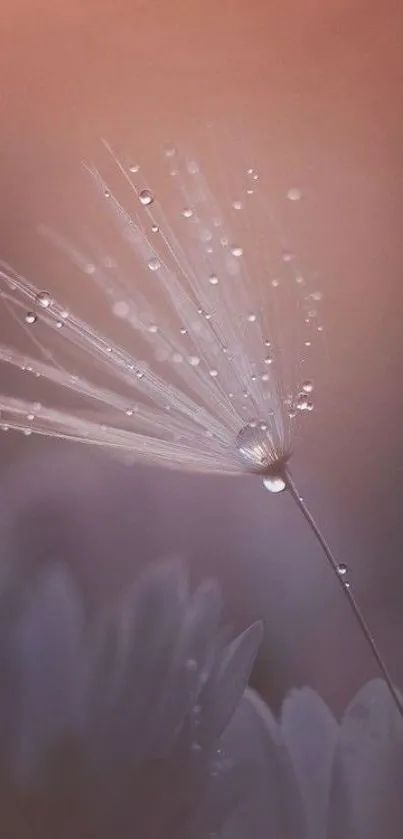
(139, 722)
(123, 725)
(344, 779)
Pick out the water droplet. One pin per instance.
(43, 299)
(170, 151)
(154, 264)
(133, 168)
(319, 328)
(188, 212)
(294, 194)
(213, 373)
(196, 747)
(213, 279)
(120, 309)
(183, 331)
(192, 167)
(153, 328)
(176, 358)
(146, 197)
(308, 343)
(255, 447)
(274, 484)
(139, 374)
(303, 402)
(237, 205)
(252, 318)
(205, 235)
(342, 569)
(317, 295)
(275, 283)
(347, 584)
(265, 377)
(268, 359)
(307, 386)
(253, 173)
(236, 250)
(194, 360)
(30, 318)
(107, 193)
(287, 256)
(155, 228)
(300, 279)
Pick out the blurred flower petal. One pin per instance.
(310, 734)
(367, 799)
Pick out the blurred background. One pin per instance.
(314, 90)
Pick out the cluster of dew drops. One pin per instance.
(303, 401)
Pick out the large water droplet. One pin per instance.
(256, 449)
(307, 386)
(30, 318)
(342, 569)
(154, 264)
(188, 212)
(43, 299)
(274, 484)
(146, 197)
(213, 279)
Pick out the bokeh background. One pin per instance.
(315, 90)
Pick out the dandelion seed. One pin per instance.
(213, 408)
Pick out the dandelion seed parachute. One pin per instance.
(201, 376)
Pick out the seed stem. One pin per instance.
(292, 489)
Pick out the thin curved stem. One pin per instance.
(290, 485)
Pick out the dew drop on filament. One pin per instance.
(43, 299)
(274, 484)
(146, 197)
(255, 449)
(30, 318)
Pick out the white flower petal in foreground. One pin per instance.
(327, 780)
(119, 728)
(201, 359)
